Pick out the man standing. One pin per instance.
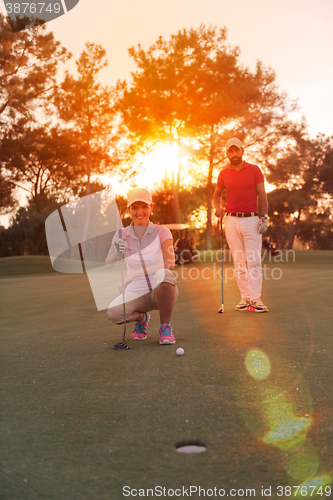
(245, 189)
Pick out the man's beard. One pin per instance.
(236, 160)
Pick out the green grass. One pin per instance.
(22, 265)
(80, 420)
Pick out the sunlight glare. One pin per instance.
(198, 219)
(160, 163)
(269, 187)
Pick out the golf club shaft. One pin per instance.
(123, 287)
(123, 344)
(120, 229)
(222, 259)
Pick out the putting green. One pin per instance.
(82, 421)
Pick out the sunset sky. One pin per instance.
(294, 37)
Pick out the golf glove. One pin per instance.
(119, 248)
(262, 225)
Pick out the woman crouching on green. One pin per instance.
(150, 259)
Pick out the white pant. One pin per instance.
(244, 241)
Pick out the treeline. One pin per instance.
(191, 92)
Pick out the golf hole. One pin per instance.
(190, 447)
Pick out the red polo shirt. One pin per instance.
(240, 187)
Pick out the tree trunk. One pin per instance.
(87, 199)
(175, 204)
(210, 193)
(294, 230)
(280, 232)
(175, 190)
(209, 216)
(283, 232)
(88, 163)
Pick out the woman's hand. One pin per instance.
(116, 253)
(119, 249)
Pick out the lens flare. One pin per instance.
(288, 434)
(302, 464)
(275, 404)
(257, 364)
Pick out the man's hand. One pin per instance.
(119, 248)
(262, 225)
(219, 212)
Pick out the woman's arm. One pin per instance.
(168, 262)
(111, 259)
(168, 254)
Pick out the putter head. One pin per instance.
(121, 346)
(221, 310)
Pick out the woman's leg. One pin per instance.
(134, 306)
(136, 316)
(165, 297)
(162, 298)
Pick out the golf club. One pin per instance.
(221, 310)
(122, 345)
(145, 271)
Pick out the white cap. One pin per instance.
(233, 142)
(139, 194)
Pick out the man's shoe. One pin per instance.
(166, 334)
(257, 306)
(139, 332)
(243, 305)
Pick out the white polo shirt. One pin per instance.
(148, 252)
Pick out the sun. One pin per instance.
(161, 163)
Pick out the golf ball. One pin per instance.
(180, 351)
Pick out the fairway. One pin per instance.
(80, 420)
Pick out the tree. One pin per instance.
(279, 212)
(317, 231)
(44, 161)
(302, 170)
(26, 234)
(193, 90)
(154, 108)
(192, 205)
(86, 107)
(190, 198)
(28, 65)
(7, 200)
